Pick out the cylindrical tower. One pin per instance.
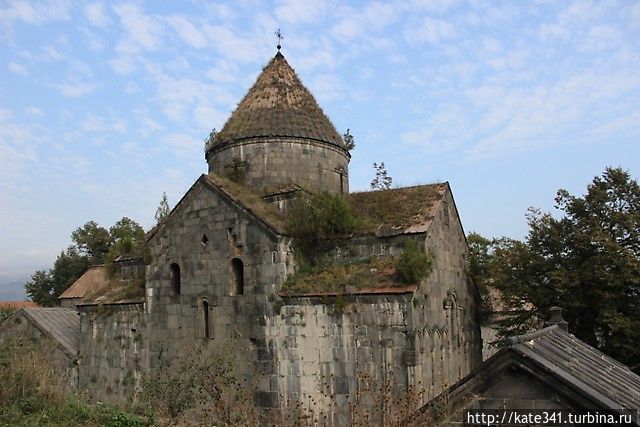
(278, 136)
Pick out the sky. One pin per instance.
(105, 105)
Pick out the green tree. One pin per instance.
(314, 219)
(40, 288)
(93, 241)
(45, 287)
(480, 256)
(124, 234)
(93, 245)
(348, 141)
(67, 268)
(587, 261)
(382, 180)
(163, 209)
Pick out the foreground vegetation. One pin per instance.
(199, 386)
(33, 394)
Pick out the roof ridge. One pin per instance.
(435, 184)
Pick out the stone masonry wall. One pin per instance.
(209, 308)
(277, 162)
(446, 342)
(335, 353)
(113, 351)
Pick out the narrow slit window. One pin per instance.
(175, 278)
(204, 240)
(237, 268)
(205, 319)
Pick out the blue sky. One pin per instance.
(104, 105)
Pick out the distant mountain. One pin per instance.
(12, 287)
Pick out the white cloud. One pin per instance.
(182, 144)
(74, 89)
(35, 111)
(208, 117)
(97, 14)
(95, 124)
(35, 12)
(300, 12)
(124, 64)
(224, 71)
(553, 32)
(48, 53)
(233, 46)
(430, 30)
(18, 69)
(356, 23)
(635, 13)
(142, 31)
(602, 37)
(434, 5)
(187, 32)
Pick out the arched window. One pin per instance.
(175, 278)
(237, 269)
(205, 319)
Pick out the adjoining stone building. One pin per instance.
(56, 330)
(548, 372)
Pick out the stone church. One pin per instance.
(219, 268)
(223, 272)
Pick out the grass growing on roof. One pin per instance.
(341, 278)
(394, 208)
(250, 200)
(410, 267)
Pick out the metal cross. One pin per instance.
(279, 35)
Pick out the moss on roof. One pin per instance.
(251, 201)
(348, 278)
(116, 292)
(399, 208)
(408, 209)
(102, 289)
(278, 104)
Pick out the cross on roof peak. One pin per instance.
(280, 37)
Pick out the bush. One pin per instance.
(5, 313)
(32, 392)
(313, 219)
(413, 264)
(198, 387)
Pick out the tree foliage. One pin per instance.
(587, 262)
(163, 209)
(382, 180)
(348, 141)
(93, 245)
(413, 264)
(92, 241)
(313, 219)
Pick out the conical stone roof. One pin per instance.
(278, 105)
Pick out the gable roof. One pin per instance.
(61, 324)
(406, 210)
(558, 358)
(278, 105)
(91, 278)
(587, 369)
(400, 210)
(249, 201)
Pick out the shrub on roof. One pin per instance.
(315, 218)
(413, 264)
